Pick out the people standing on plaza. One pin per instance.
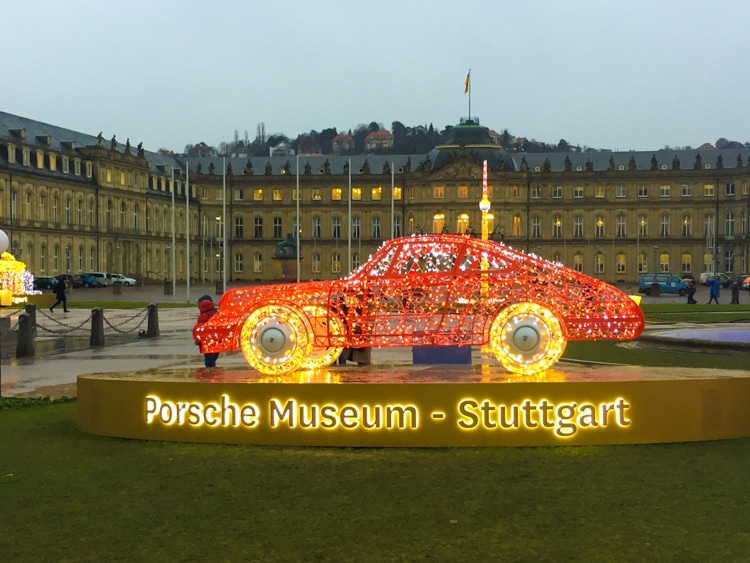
(207, 310)
(59, 290)
(735, 294)
(713, 290)
(691, 293)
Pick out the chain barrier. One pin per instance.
(68, 327)
(7, 334)
(143, 313)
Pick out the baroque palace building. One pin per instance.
(72, 202)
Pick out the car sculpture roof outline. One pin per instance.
(428, 290)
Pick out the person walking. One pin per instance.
(207, 310)
(691, 293)
(735, 294)
(59, 290)
(713, 291)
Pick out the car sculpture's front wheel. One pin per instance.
(325, 326)
(275, 339)
(527, 338)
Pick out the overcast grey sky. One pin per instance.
(621, 75)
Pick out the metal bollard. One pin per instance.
(153, 321)
(25, 345)
(97, 327)
(31, 312)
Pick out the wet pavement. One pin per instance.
(63, 351)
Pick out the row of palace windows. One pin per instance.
(214, 229)
(600, 226)
(316, 194)
(599, 265)
(79, 213)
(462, 192)
(62, 259)
(50, 160)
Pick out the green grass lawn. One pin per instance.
(69, 496)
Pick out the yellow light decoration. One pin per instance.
(275, 339)
(12, 274)
(325, 326)
(527, 338)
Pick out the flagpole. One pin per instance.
(224, 230)
(468, 85)
(299, 230)
(393, 197)
(174, 248)
(187, 225)
(350, 215)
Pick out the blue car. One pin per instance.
(667, 283)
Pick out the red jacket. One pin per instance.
(208, 310)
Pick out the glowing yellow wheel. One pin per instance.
(324, 326)
(527, 338)
(275, 339)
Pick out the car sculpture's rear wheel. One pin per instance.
(527, 338)
(324, 326)
(275, 339)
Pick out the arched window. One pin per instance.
(687, 226)
(67, 211)
(316, 263)
(687, 262)
(257, 263)
(600, 231)
(664, 262)
(462, 223)
(642, 263)
(557, 227)
(599, 263)
(578, 262)
(516, 225)
(438, 222)
(622, 263)
(729, 261)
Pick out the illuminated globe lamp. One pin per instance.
(15, 281)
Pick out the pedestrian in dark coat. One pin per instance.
(59, 290)
(735, 293)
(207, 310)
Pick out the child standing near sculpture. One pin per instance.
(207, 310)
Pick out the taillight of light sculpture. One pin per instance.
(431, 290)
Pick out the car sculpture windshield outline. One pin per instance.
(429, 290)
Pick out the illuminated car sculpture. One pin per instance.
(431, 290)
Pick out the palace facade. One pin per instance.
(72, 202)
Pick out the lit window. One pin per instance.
(258, 194)
(664, 191)
(438, 222)
(438, 192)
(317, 194)
(708, 190)
(462, 224)
(295, 195)
(356, 194)
(52, 162)
(621, 264)
(257, 263)
(599, 191)
(463, 192)
(516, 225)
(687, 263)
(336, 194)
(277, 195)
(39, 159)
(664, 263)
(336, 263)
(376, 194)
(578, 262)
(122, 178)
(396, 192)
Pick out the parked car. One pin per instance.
(125, 280)
(44, 282)
(73, 280)
(100, 278)
(91, 281)
(668, 283)
(431, 290)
